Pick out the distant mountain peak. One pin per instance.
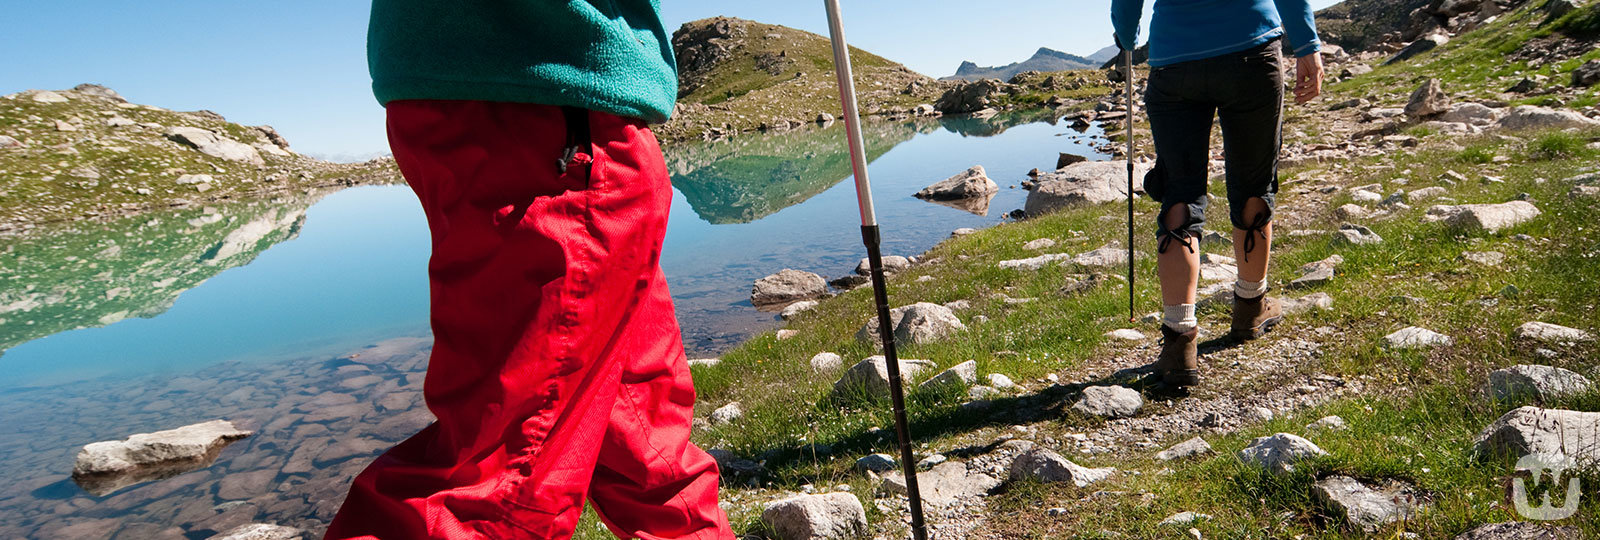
(1044, 59)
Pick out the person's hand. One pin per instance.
(1307, 77)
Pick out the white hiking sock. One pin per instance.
(1180, 317)
(1249, 289)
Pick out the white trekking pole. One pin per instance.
(870, 236)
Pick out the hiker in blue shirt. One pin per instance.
(1217, 59)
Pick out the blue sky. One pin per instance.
(301, 66)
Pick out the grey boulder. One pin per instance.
(1552, 333)
(107, 466)
(1109, 402)
(829, 516)
(1427, 100)
(786, 286)
(1483, 217)
(920, 323)
(1046, 466)
(872, 375)
(1367, 507)
(1532, 430)
(1078, 184)
(968, 184)
(214, 145)
(1535, 117)
(1536, 382)
(1279, 453)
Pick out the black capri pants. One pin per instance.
(1245, 91)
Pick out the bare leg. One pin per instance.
(1178, 268)
(1252, 265)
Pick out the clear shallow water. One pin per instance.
(250, 311)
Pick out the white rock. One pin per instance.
(1329, 423)
(46, 96)
(1193, 447)
(212, 144)
(1484, 217)
(1279, 453)
(1312, 302)
(1358, 235)
(1105, 256)
(918, 324)
(727, 414)
(1038, 244)
(826, 361)
(1001, 382)
(1078, 184)
(1049, 467)
(1413, 337)
(871, 375)
(945, 485)
(877, 463)
(1536, 382)
(1127, 334)
(829, 516)
(1035, 263)
(794, 310)
(1533, 117)
(891, 264)
(1364, 507)
(1554, 432)
(705, 362)
(1183, 519)
(968, 184)
(1426, 193)
(1471, 113)
(787, 285)
(1109, 401)
(1486, 258)
(1552, 333)
(959, 376)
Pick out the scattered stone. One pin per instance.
(260, 531)
(1521, 530)
(891, 264)
(1109, 402)
(1364, 196)
(1543, 383)
(931, 462)
(1279, 453)
(65, 126)
(1428, 100)
(1483, 217)
(1193, 447)
(1041, 243)
(1425, 44)
(969, 184)
(1049, 467)
(1552, 333)
(727, 414)
(794, 310)
(963, 231)
(1475, 114)
(1552, 432)
(786, 333)
(871, 376)
(1351, 211)
(1367, 508)
(1315, 301)
(1358, 235)
(705, 362)
(46, 96)
(877, 463)
(1329, 423)
(919, 324)
(1035, 263)
(1486, 258)
(1001, 382)
(1586, 75)
(1413, 337)
(6, 141)
(107, 466)
(959, 376)
(787, 285)
(1316, 277)
(1183, 519)
(1128, 334)
(1090, 182)
(1258, 414)
(1426, 193)
(826, 361)
(1105, 256)
(829, 516)
(1524, 117)
(945, 485)
(214, 145)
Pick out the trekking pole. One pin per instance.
(1127, 75)
(870, 236)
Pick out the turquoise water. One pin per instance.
(350, 271)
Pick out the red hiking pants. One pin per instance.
(557, 370)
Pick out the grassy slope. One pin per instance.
(1416, 426)
(37, 184)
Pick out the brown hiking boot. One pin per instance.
(1179, 363)
(1253, 317)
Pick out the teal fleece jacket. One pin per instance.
(605, 55)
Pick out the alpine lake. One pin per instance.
(305, 318)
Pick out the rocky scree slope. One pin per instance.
(89, 153)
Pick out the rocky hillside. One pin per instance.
(88, 153)
(1359, 25)
(1045, 59)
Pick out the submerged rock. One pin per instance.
(107, 466)
(260, 531)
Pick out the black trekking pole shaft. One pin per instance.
(873, 240)
(1127, 75)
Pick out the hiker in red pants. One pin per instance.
(557, 373)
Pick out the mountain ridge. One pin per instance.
(1044, 59)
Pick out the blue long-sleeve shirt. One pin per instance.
(1183, 30)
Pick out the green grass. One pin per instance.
(1558, 145)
